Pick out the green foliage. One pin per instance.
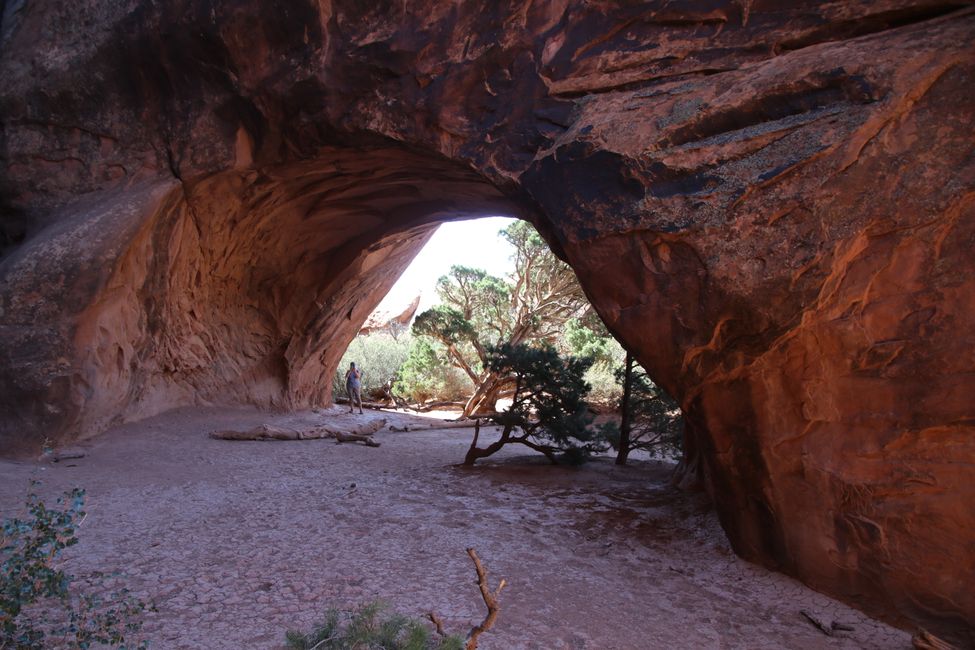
(549, 404)
(605, 392)
(550, 395)
(427, 374)
(588, 337)
(657, 424)
(38, 606)
(445, 323)
(370, 628)
(582, 340)
(480, 310)
(379, 356)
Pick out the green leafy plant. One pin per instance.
(370, 626)
(651, 419)
(588, 337)
(39, 605)
(379, 356)
(548, 412)
(426, 374)
(480, 311)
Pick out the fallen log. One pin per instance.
(443, 424)
(431, 406)
(829, 628)
(824, 627)
(375, 406)
(361, 433)
(355, 437)
(924, 640)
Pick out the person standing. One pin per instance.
(353, 386)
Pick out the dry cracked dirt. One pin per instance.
(237, 542)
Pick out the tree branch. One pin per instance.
(490, 601)
(437, 622)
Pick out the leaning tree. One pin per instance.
(480, 311)
(548, 412)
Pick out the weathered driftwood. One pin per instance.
(355, 437)
(827, 627)
(824, 627)
(490, 601)
(399, 403)
(443, 424)
(375, 406)
(361, 433)
(924, 640)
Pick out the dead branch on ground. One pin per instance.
(490, 601)
(444, 424)
(437, 623)
(361, 433)
(375, 406)
(924, 640)
(354, 437)
(827, 628)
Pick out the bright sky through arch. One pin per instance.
(475, 243)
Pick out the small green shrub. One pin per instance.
(589, 338)
(379, 356)
(426, 374)
(548, 412)
(39, 607)
(370, 627)
(655, 419)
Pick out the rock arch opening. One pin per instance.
(247, 287)
(773, 211)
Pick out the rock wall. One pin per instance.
(772, 206)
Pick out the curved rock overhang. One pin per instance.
(771, 206)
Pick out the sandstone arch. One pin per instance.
(771, 207)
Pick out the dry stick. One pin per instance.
(445, 424)
(824, 627)
(437, 622)
(319, 644)
(924, 640)
(490, 600)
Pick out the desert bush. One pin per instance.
(588, 338)
(39, 605)
(427, 374)
(605, 394)
(379, 356)
(479, 311)
(370, 627)
(548, 411)
(651, 419)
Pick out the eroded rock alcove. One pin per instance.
(202, 201)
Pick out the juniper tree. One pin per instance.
(480, 310)
(650, 418)
(548, 411)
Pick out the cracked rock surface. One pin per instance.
(237, 542)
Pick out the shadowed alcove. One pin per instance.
(247, 286)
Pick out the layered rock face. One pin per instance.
(771, 205)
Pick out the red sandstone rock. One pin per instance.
(773, 206)
(383, 321)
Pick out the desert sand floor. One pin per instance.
(236, 542)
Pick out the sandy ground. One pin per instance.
(237, 542)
